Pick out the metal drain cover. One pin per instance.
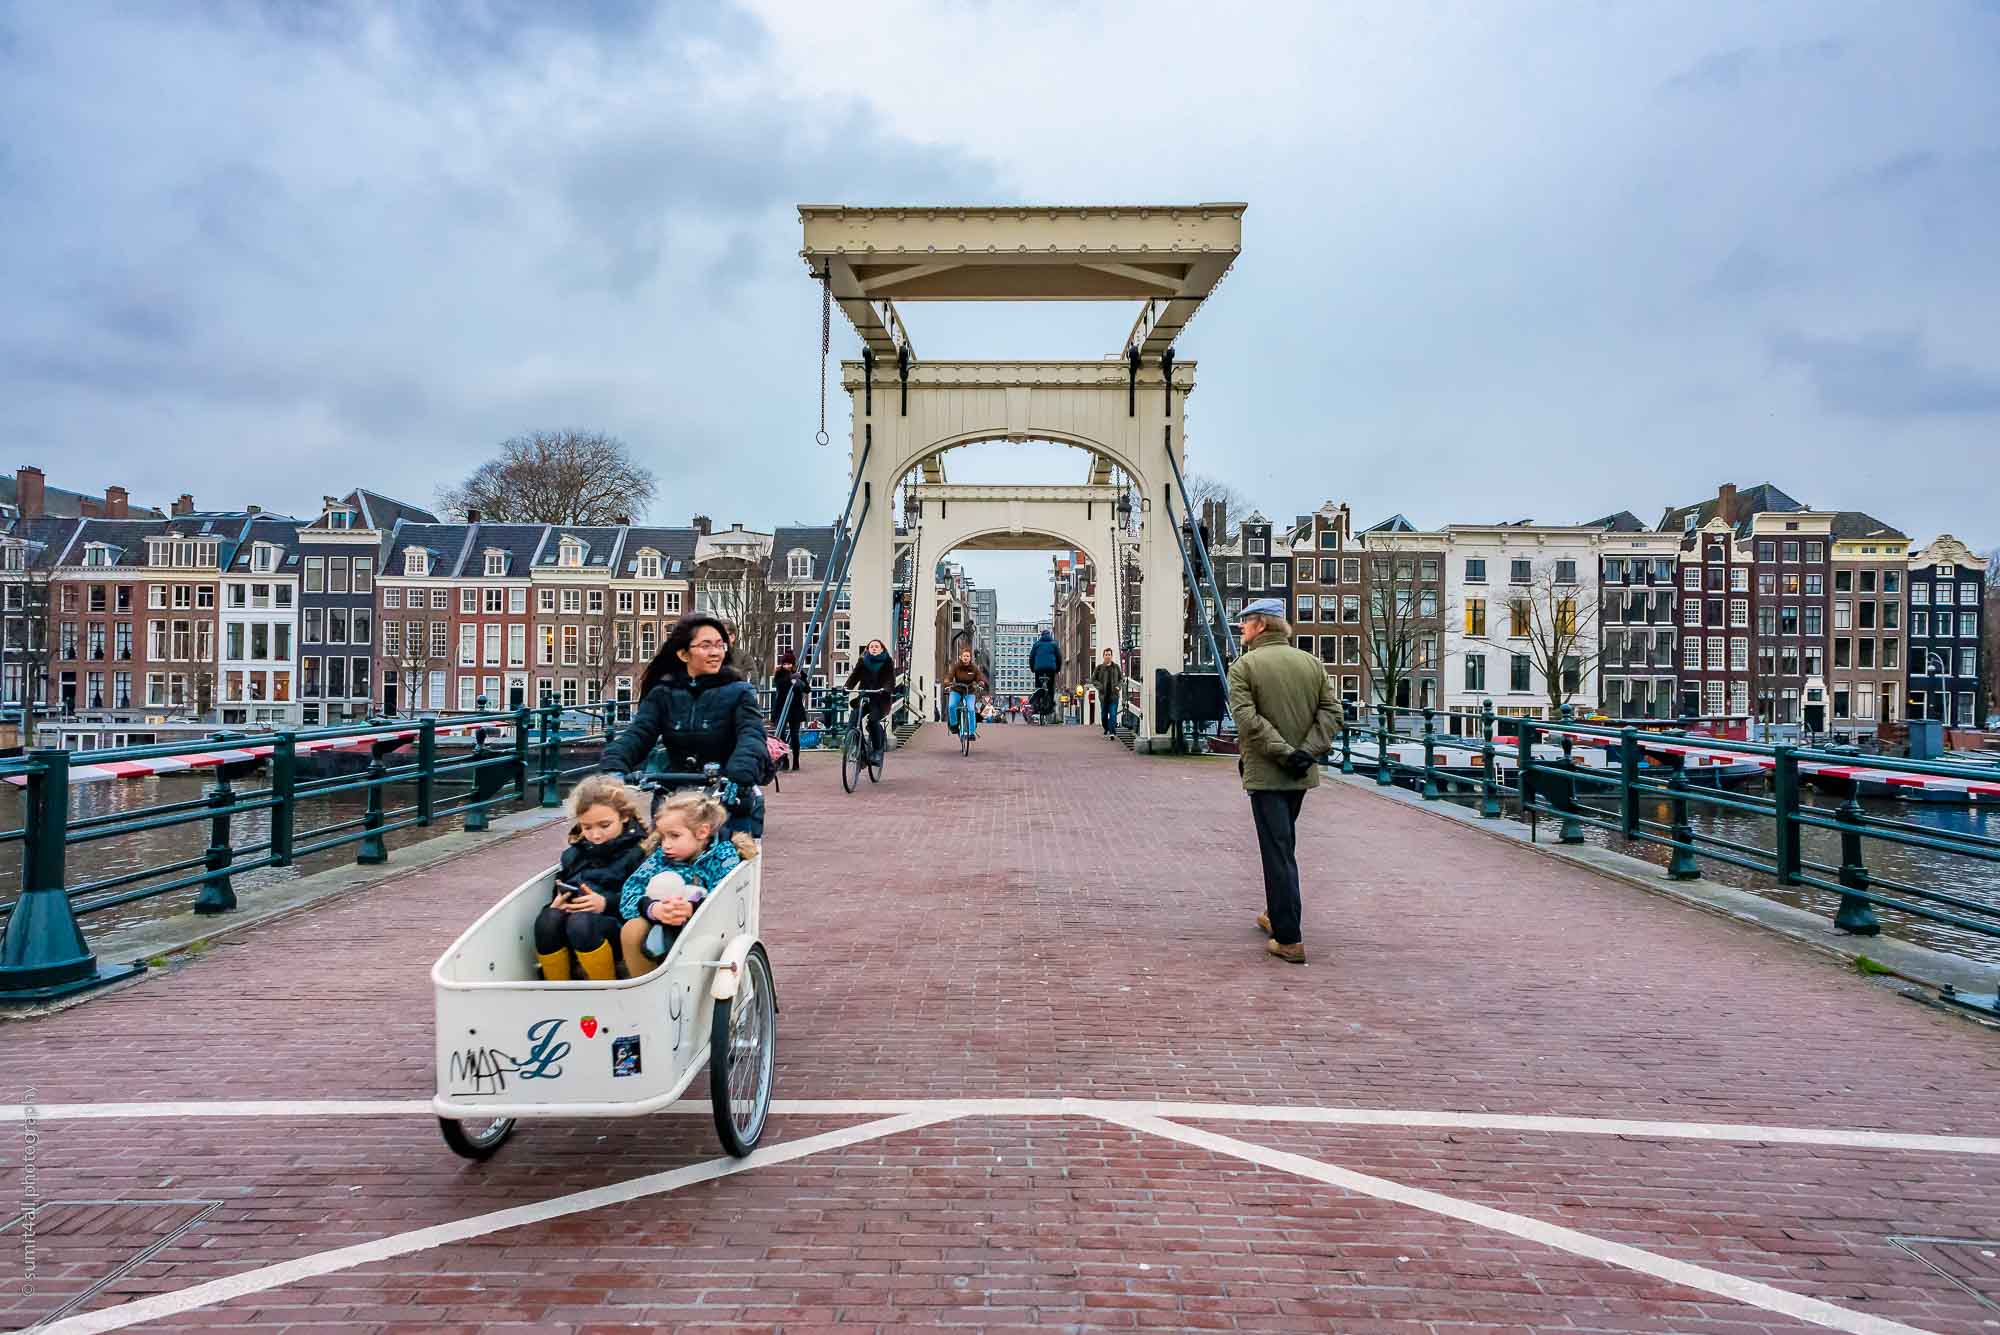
(79, 1248)
(1970, 1264)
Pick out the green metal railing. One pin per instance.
(1559, 788)
(44, 954)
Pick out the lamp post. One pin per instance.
(1938, 665)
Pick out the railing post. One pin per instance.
(1346, 737)
(427, 759)
(217, 895)
(372, 851)
(551, 794)
(1524, 766)
(1855, 914)
(476, 821)
(1572, 828)
(1628, 782)
(1430, 755)
(1489, 780)
(284, 811)
(521, 753)
(43, 955)
(1382, 746)
(1682, 866)
(1785, 799)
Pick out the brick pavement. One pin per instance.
(1055, 917)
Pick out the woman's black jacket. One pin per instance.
(705, 721)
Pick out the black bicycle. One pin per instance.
(859, 753)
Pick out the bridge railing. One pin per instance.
(43, 954)
(1655, 765)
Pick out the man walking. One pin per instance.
(1110, 684)
(1286, 715)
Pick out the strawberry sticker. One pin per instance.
(589, 1026)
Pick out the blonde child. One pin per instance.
(688, 855)
(606, 844)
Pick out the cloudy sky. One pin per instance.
(1501, 260)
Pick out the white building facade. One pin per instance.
(1510, 587)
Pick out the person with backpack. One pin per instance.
(1045, 660)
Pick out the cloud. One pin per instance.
(1751, 271)
(1887, 376)
(1733, 70)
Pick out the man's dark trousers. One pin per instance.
(1110, 715)
(1277, 817)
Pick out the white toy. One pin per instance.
(666, 885)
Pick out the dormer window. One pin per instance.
(798, 564)
(571, 554)
(1687, 524)
(96, 554)
(416, 562)
(496, 563)
(12, 557)
(263, 558)
(649, 565)
(340, 519)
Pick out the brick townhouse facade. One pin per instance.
(1947, 673)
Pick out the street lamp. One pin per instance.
(1938, 664)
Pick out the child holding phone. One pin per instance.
(607, 839)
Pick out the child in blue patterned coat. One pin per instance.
(687, 856)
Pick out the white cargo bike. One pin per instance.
(510, 1046)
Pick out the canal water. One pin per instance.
(93, 861)
(1968, 877)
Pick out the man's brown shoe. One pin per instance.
(1264, 923)
(1292, 954)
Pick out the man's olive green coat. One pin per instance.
(1282, 701)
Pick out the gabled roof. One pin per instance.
(44, 537)
(1393, 524)
(517, 542)
(1622, 522)
(1760, 499)
(382, 512)
(1859, 526)
(276, 530)
(816, 539)
(62, 503)
(600, 546)
(676, 545)
(444, 542)
(127, 537)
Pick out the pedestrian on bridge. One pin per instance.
(1286, 715)
(1109, 680)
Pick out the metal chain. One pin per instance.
(825, 347)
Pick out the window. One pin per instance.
(1968, 666)
(1815, 621)
(468, 693)
(1843, 653)
(1843, 614)
(1350, 570)
(440, 648)
(1920, 625)
(1691, 612)
(1892, 653)
(1305, 570)
(416, 563)
(545, 600)
(1565, 572)
(1521, 675)
(1427, 603)
(1306, 609)
(1572, 675)
(517, 646)
(1968, 595)
(315, 574)
(1256, 577)
(1255, 547)
(570, 646)
(1739, 654)
(1475, 570)
(1614, 570)
(1350, 609)
(1968, 625)
(1350, 649)
(1892, 581)
(1843, 581)
(1717, 653)
(491, 636)
(1867, 581)
(1278, 572)
(572, 601)
(1864, 653)
(1791, 552)
(1815, 586)
(1566, 617)
(1520, 571)
(1867, 616)
(1920, 595)
(1767, 551)
(1788, 619)
(798, 564)
(315, 624)
(1739, 580)
(1304, 643)
(1739, 613)
(468, 645)
(440, 602)
(1892, 616)
(545, 646)
(1691, 579)
(1691, 654)
(1475, 672)
(1329, 572)
(392, 599)
(392, 639)
(1232, 572)
(1791, 586)
(1518, 616)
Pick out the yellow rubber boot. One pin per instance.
(555, 966)
(599, 965)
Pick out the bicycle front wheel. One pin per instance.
(850, 762)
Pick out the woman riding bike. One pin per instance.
(965, 681)
(700, 711)
(875, 673)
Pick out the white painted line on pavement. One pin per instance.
(1683, 1273)
(1393, 1118)
(438, 1235)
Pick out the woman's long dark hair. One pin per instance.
(667, 665)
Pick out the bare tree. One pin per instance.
(410, 655)
(1201, 488)
(555, 477)
(30, 630)
(739, 592)
(1404, 635)
(1554, 622)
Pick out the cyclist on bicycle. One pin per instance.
(1045, 660)
(875, 675)
(966, 681)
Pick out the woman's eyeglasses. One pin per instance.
(708, 644)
